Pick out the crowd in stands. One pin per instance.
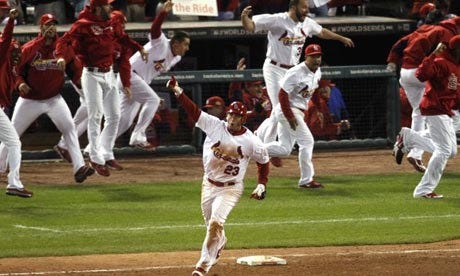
(67, 11)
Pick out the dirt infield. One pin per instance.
(412, 259)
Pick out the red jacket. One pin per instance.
(326, 129)
(441, 74)
(38, 68)
(410, 50)
(7, 71)
(94, 40)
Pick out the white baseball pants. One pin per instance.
(216, 205)
(143, 101)
(102, 99)
(287, 137)
(80, 120)
(10, 141)
(26, 111)
(414, 90)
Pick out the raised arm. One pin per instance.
(155, 29)
(328, 34)
(247, 22)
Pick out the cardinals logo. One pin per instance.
(98, 30)
(288, 41)
(232, 157)
(306, 92)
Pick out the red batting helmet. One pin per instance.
(237, 107)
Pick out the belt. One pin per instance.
(220, 184)
(99, 69)
(281, 65)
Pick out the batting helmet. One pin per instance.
(237, 107)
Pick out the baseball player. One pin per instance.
(409, 52)
(122, 67)
(164, 53)
(287, 33)
(10, 55)
(227, 149)
(441, 72)
(297, 88)
(39, 83)
(94, 40)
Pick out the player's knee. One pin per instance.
(215, 228)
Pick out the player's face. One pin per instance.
(325, 92)
(105, 12)
(255, 90)
(313, 62)
(180, 48)
(48, 30)
(301, 10)
(235, 121)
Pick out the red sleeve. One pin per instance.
(190, 107)
(396, 53)
(285, 105)
(127, 41)
(74, 68)
(155, 29)
(262, 173)
(426, 69)
(124, 67)
(6, 36)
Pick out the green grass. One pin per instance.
(351, 210)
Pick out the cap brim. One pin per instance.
(49, 21)
(314, 53)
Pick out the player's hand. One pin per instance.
(439, 48)
(348, 42)
(241, 64)
(24, 89)
(293, 123)
(61, 64)
(246, 11)
(391, 67)
(144, 55)
(320, 118)
(259, 192)
(14, 13)
(167, 6)
(127, 91)
(174, 86)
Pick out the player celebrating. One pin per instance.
(39, 83)
(297, 88)
(287, 33)
(163, 54)
(441, 72)
(94, 40)
(10, 54)
(227, 150)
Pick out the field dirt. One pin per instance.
(441, 258)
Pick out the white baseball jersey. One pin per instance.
(160, 60)
(285, 37)
(300, 83)
(226, 156)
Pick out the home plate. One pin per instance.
(261, 260)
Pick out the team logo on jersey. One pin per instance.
(41, 64)
(306, 92)
(232, 157)
(158, 65)
(452, 82)
(288, 41)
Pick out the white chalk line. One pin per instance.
(188, 226)
(391, 252)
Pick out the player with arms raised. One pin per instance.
(227, 150)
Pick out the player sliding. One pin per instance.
(227, 149)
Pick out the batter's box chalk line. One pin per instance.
(260, 260)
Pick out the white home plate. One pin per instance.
(261, 260)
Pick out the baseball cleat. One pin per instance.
(198, 272)
(100, 169)
(311, 185)
(63, 153)
(398, 149)
(113, 165)
(417, 164)
(82, 173)
(432, 195)
(276, 161)
(19, 192)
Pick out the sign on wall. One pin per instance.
(195, 7)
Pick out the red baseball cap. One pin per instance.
(214, 101)
(47, 18)
(4, 5)
(426, 8)
(313, 49)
